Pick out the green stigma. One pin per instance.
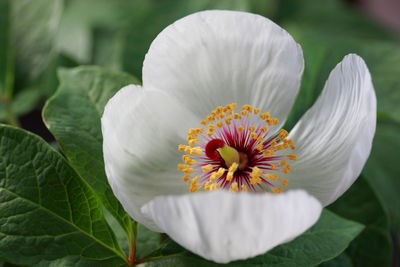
(229, 154)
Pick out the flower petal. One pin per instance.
(223, 226)
(334, 137)
(213, 58)
(141, 131)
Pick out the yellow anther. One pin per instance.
(268, 153)
(209, 133)
(213, 176)
(259, 147)
(272, 121)
(203, 122)
(185, 157)
(256, 110)
(274, 166)
(272, 176)
(283, 134)
(256, 171)
(234, 187)
(221, 172)
(207, 168)
(181, 166)
(248, 108)
(195, 131)
(284, 182)
(244, 113)
(196, 151)
(210, 118)
(288, 141)
(233, 167)
(265, 115)
(240, 128)
(228, 121)
(255, 180)
(192, 142)
(188, 170)
(244, 188)
(252, 128)
(194, 179)
(222, 115)
(273, 143)
(188, 150)
(229, 176)
(211, 127)
(286, 146)
(217, 174)
(292, 147)
(292, 157)
(233, 106)
(287, 169)
(219, 124)
(276, 190)
(283, 163)
(207, 186)
(181, 147)
(186, 177)
(263, 129)
(254, 135)
(194, 187)
(280, 146)
(237, 116)
(255, 175)
(214, 186)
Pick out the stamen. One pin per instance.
(237, 150)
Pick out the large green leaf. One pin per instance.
(324, 241)
(383, 169)
(372, 246)
(6, 52)
(48, 214)
(34, 24)
(335, 17)
(73, 117)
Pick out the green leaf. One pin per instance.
(6, 52)
(343, 260)
(338, 18)
(34, 27)
(48, 214)
(372, 247)
(73, 117)
(324, 241)
(382, 169)
(25, 101)
(147, 241)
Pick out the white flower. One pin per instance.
(196, 68)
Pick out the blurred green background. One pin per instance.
(37, 37)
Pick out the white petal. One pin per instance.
(141, 131)
(213, 58)
(223, 226)
(334, 137)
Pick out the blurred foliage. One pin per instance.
(37, 37)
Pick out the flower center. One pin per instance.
(239, 151)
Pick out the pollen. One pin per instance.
(207, 168)
(239, 150)
(234, 187)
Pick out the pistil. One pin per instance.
(237, 151)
